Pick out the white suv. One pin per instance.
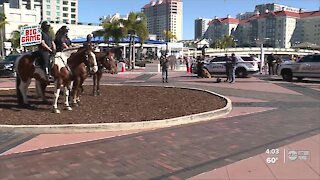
(308, 66)
(245, 66)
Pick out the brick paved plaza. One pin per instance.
(267, 114)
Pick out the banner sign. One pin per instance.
(30, 35)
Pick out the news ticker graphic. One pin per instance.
(288, 155)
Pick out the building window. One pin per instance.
(58, 13)
(48, 1)
(73, 10)
(73, 16)
(65, 15)
(65, 9)
(73, 22)
(65, 2)
(58, 1)
(57, 7)
(65, 21)
(48, 13)
(48, 6)
(73, 4)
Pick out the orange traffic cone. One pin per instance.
(123, 69)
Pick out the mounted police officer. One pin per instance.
(88, 43)
(46, 48)
(62, 40)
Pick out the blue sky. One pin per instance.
(92, 10)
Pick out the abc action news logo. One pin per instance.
(30, 35)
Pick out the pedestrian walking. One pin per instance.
(232, 70)
(228, 66)
(164, 62)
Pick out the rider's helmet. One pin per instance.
(89, 37)
(45, 25)
(64, 29)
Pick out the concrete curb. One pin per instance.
(73, 128)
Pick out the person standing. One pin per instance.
(232, 70)
(271, 60)
(46, 48)
(164, 62)
(228, 66)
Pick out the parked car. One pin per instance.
(252, 58)
(217, 66)
(7, 66)
(307, 66)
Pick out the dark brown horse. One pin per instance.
(26, 70)
(71, 66)
(81, 72)
(104, 60)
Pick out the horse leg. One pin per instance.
(80, 87)
(66, 99)
(41, 89)
(18, 90)
(94, 84)
(98, 83)
(23, 87)
(56, 96)
(75, 88)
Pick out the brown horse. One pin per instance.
(70, 66)
(106, 60)
(80, 73)
(26, 70)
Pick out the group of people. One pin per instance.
(231, 63)
(50, 46)
(273, 64)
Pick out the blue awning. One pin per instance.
(100, 39)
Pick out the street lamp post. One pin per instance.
(262, 54)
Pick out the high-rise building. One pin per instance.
(281, 29)
(246, 15)
(272, 7)
(200, 27)
(164, 15)
(218, 27)
(59, 11)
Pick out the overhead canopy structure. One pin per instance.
(307, 45)
(101, 39)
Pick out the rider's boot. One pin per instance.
(49, 77)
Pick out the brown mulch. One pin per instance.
(116, 104)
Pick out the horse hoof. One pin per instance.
(56, 111)
(68, 108)
(75, 104)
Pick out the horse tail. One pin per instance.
(18, 79)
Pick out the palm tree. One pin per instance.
(225, 42)
(3, 22)
(136, 24)
(114, 29)
(169, 35)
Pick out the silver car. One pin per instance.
(306, 67)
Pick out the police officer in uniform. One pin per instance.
(62, 41)
(46, 47)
